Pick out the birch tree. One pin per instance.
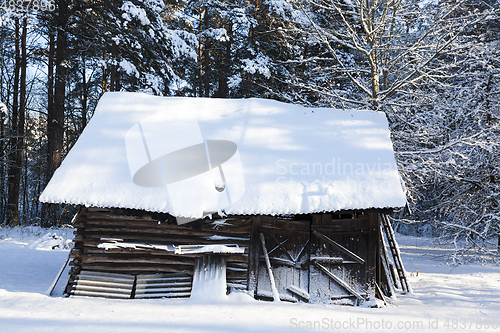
(378, 49)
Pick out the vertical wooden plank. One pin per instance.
(379, 259)
(254, 253)
(276, 295)
(373, 249)
(316, 219)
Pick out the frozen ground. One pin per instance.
(461, 299)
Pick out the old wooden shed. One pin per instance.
(195, 197)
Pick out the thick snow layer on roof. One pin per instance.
(193, 156)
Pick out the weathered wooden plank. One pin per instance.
(233, 258)
(158, 290)
(99, 294)
(157, 239)
(326, 219)
(234, 224)
(159, 285)
(106, 275)
(162, 276)
(316, 219)
(210, 228)
(95, 215)
(254, 254)
(299, 292)
(340, 247)
(103, 283)
(152, 282)
(275, 293)
(165, 295)
(174, 260)
(146, 229)
(338, 280)
(269, 222)
(330, 260)
(337, 230)
(103, 289)
(238, 286)
(133, 268)
(279, 261)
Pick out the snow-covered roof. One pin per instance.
(193, 156)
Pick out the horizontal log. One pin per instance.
(111, 217)
(231, 227)
(98, 294)
(138, 268)
(230, 275)
(99, 288)
(144, 291)
(104, 283)
(178, 260)
(156, 239)
(162, 231)
(165, 295)
(237, 285)
(237, 264)
(236, 258)
(133, 223)
(149, 286)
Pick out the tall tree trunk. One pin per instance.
(249, 81)
(104, 79)
(55, 120)
(46, 208)
(83, 119)
(3, 135)
(3, 116)
(206, 58)
(50, 73)
(22, 113)
(226, 72)
(118, 85)
(200, 58)
(13, 199)
(112, 78)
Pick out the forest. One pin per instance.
(432, 66)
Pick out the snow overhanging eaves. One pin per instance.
(290, 159)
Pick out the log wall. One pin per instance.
(308, 238)
(95, 225)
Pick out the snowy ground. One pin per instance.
(463, 299)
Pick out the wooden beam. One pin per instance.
(338, 280)
(340, 247)
(276, 295)
(254, 254)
